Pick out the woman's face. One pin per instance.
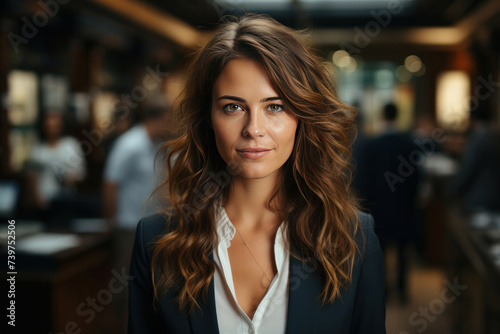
(53, 125)
(254, 131)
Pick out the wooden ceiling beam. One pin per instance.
(432, 36)
(164, 24)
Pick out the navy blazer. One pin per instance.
(361, 308)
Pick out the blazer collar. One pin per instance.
(303, 303)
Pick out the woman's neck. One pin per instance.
(247, 204)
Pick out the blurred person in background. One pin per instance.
(128, 175)
(261, 234)
(392, 180)
(55, 165)
(128, 182)
(478, 179)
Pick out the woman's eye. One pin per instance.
(276, 108)
(231, 107)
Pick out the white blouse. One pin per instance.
(270, 316)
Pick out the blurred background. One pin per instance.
(86, 93)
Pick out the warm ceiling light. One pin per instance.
(413, 63)
(341, 58)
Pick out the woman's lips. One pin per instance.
(254, 153)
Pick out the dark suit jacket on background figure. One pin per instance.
(360, 310)
(392, 185)
(478, 178)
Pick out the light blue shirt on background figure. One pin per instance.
(130, 166)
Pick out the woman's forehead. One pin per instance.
(244, 77)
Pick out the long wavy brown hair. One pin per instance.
(313, 191)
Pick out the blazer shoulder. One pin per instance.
(365, 220)
(366, 238)
(151, 227)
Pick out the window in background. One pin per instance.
(452, 100)
(22, 97)
(103, 105)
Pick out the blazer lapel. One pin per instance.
(204, 319)
(303, 302)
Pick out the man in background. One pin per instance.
(128, 181)
(392, 182)
(478, 177)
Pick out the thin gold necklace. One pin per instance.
(263, 271)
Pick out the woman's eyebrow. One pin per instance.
(228, 97)
(239, 99)
(274, 98)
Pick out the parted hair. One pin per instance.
(317, 208)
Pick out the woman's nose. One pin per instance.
(255, 125)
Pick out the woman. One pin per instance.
(263, 236)
(56, 164)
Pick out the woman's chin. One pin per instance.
(256, 174)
